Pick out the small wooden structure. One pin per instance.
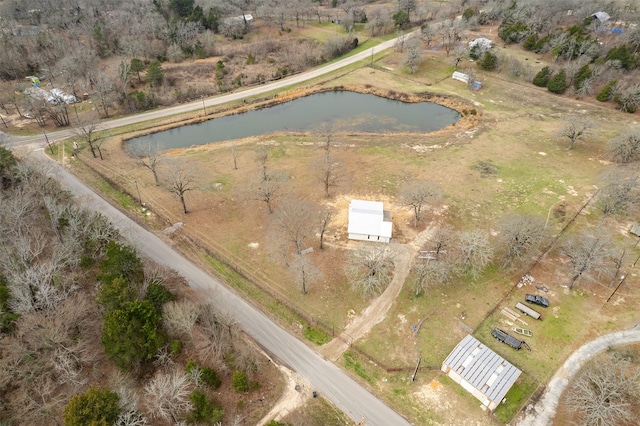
(522, 331)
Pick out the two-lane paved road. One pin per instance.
(326, 378)
(38, 140)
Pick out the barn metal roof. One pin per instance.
(368, 218)
(482, 368)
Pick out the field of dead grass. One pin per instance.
(531, 172)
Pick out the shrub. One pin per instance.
(468, 14)
(95, 407)
(583, 73)
(624, 55)
(607, 92)
(542, 78)
(240, 381)
(204, 410)
(158, 295)
(175, 347)
(208, 375)
(541, 45)
(558, 83)
(530, 42)
(7, 318)
(513, 32)
(489, 62)
(121, 261)
(116, 294)
(155, 74)
(132, 334)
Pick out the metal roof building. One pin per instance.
(480, 371)
(369, 222)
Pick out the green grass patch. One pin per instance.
(519, 393)
(316, 335)
(354, 362)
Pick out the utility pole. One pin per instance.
(48, 143)
(138, 189)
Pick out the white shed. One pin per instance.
(480, 371)
(368, 221)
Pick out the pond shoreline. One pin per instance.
(469, 116)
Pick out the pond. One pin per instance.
(346, 111)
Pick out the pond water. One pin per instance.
(346, 111)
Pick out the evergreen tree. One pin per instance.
(542, 78)
(132, 334)
(558, 83)
(583, 73)
(95, 407)
(530, 42)
(489, 62)
(155, 74)
(607, 92)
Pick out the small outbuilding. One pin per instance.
(368, 221)
(480, 371)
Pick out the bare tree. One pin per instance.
(606, 392)
(330, 172)
(442, 242)
(431, 272)
(326, 215)
(104, 89)
(179, 317)
(294, 220)
(269, 188)
(417, 194)
(518, 237)
(475, 252)
(304, 272)
(262, 155)
(413, 55)
(87, 130)
(371, 268)
(148, 156)
(585, 251)
(234, 155)
(618, 195)
(182, 179)
(625, 148)
(167, 395)
(575, 128)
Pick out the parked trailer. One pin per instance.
(528, 311)
(505, 337)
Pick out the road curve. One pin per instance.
(326, 378)
(543, 412)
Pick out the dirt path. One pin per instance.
(543, 412)
(295, 394)
(378, 309)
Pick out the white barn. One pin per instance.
(480, 371)
(368, 221)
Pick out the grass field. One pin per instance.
(531, 171)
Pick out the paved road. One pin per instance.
(326, 378)
(39, 140)
(543, 412)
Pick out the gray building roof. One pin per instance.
(482, 368)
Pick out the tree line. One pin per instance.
(77, 301)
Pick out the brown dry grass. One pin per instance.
(515, 132)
